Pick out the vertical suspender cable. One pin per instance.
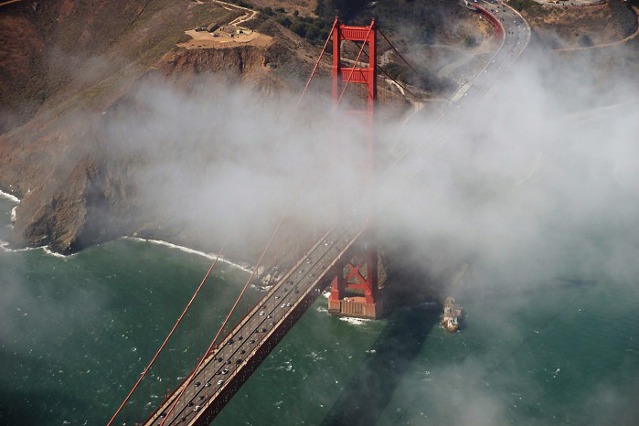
(318, 61)
(226, 320)
(188, 305)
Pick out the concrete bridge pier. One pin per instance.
(355, 289)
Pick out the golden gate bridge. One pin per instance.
(170, 390)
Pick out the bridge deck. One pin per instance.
(227, 367)
(232, 362)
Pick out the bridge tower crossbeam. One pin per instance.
(354, 290)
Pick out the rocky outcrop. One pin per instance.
(70, 195)
(77, 189)
(244, 65)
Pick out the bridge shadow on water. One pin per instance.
(372, 386)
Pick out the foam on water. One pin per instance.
(4, 246)
(9, 196)
(50, 252)
(210, 256)
(354, 321)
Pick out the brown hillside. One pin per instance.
(562, 27)
(85, 64)
(72, 68)
(54, 50)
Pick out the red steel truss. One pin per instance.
(354, 291)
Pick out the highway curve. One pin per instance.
(516, 36)
(477, 88)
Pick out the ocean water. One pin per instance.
(77, 331)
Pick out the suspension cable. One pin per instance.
(168, 337)
(402, 58)
(228, 316)
(318, 61)
(403, 86)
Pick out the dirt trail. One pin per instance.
(248, 13)
(242, 19)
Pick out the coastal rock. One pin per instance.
(76, 189)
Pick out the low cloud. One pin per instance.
(529, 188)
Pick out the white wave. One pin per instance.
(9, 196)
(315, 356)
(354, 321)
(14, 216)
(50, 252)
(4, 246)
(192, 251)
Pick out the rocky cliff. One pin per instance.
(73, 69)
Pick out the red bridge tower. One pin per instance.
(354, 291)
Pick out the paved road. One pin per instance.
(480, 86)
(223, 367)
(516, 38)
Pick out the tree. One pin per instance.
(312, 33)
(285, 21)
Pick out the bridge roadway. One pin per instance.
(463, 101)
(516, 39)
(247, 345)
(225, 369)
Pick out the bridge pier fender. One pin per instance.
(355, 290)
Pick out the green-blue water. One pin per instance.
(76, 332)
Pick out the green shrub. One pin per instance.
(285, 21)
(521, 4)
(299, 28)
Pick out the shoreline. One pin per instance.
(4, 245)
(209, 256)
